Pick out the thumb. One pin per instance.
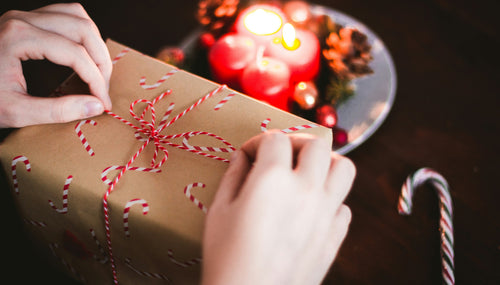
(36, 110)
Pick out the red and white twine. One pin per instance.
(150, 133)
(224, 101)
(265, 123)
(445, 224)
(15, 160)
(81, 136)
(197, 203)
(64, 208)
(106, 180)
(126, 210)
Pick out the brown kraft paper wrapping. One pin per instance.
(162, 241)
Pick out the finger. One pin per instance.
(38, 44)
(233, 178)
(339, 230)
(313, 162)
(269, 148)
(297, 140)
(340, 178)
(79, 29)
(28, 110)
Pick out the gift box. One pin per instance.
(124, 195)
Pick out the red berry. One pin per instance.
(326, 116)
(340, 137)
(207, 40)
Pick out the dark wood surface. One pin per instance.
(445, 116)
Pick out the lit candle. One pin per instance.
(229, 56)
(300, 50)
(260, 22)
(268, 80)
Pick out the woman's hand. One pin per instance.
(65, 35)
(278, 216)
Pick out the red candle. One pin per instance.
(300, 50)
(260, 22)
(229, 56)
(268, 80)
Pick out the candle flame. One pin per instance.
(289, 38)
(263, 22)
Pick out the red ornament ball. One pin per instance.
(207, 40)
(326, 116)
(340, 137)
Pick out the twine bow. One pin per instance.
(148, 132)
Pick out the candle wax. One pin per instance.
(303, 58)
(268, 80)
(229, 56)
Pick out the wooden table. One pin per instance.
(445, 117)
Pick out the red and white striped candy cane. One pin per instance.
(15, 160)
(53, 246)
(36, 223)
(223, 101)
(142, 81)
(106, 180)
(446, 225)
(64, 209)
(207, 148)
(145, 273)
(184, 264)
(82, 138)
(265, 123)
(120, 55)
(197, 203)
(104, 258)
(145, 209)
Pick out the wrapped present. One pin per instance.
(124, 195)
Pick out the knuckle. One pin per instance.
(12, 14)
(13, 26)
(77, 8)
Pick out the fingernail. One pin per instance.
(93, 108)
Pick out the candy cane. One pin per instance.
(36, 223)
(145, 209)
(207, 148)
(265, 123)
(53, 247)
(446, 226)
(105, 172)
(142, 81)
(224, 101)
(82, 138)
(120, 55)
(15, 160)
(64, 209)
(184, 264)
(144, 273)
(187, 191)
(104, 258)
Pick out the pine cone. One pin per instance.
(215, 14)
(348, 53)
